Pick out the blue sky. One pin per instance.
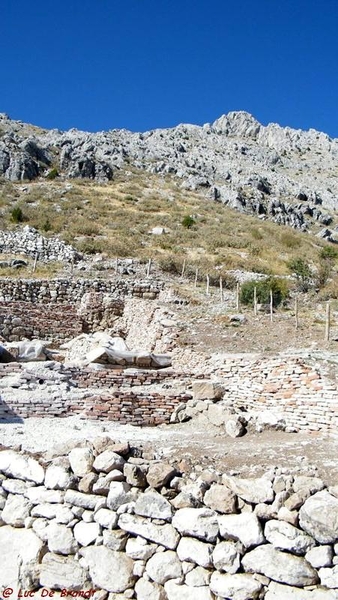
(141, 64)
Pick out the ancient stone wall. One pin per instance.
(29, 242)
(103, 518)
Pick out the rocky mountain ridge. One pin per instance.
(285, 175)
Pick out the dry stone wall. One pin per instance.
(104, 521)
(29, 242)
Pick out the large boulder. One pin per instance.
(319, 517)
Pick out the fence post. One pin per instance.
(35, 261)
(208, 281)
(116, 266)
(148, 267)
(271, 305)
(183, 268)
(196, 275)
(327, 322)
(255, 301)
(237, 296)
(221, 288)
(296, 314)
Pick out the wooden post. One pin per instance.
(183, 268)
(327, 322)
(296, 314)
(221, 288)
(208, 281)
(271, 305)
(116, 265)
(237, 296)
(35, 261)
(196, 276)
(255, 301)
(148, 267)
(72, 267)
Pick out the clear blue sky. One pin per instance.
(141, 64)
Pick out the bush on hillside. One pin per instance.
(279, 287)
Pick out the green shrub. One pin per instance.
(188, 221)
(17, 215)
(302, 270)
(52, 174)
(279, 289)
(328, 253)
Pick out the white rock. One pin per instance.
(119, 494)
(165, 535)
(320, 556)
(193, 550)
(62, 572)
(16, 510)
(21, 467)
(329, 576)
(139, 549)
(114, 540)
(226, 557)
(163, 566)
(57, 478)
(106, 518)
(284, 536)
(175, 591)
(279, 566)
(81, 461)
(240, 586)
(197, 522)
(198, 577)
(152, 504)
(60, 539)
(87, 501)
(60, 513)
(148, 590)
(16, 546)
(244, 527)
(220, 498)
(86, 533)
(319, 517)
(109, 570)
(277, 591)
(107, 461)
(40, 527)
(16, 486)
(39, 495)
(254, 491)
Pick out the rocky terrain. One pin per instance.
(275, 173)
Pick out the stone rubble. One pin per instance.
(130, 541)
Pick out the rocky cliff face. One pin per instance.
(286, 175)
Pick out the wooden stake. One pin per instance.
(148, 267)
(208, 281)
(296, 314)
(221, 288)
(183, 268)
(255, 301)
(237, 296)
(327, 322)
(271, 305)
(116, 266)
(196, 276)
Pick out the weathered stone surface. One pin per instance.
(40, 527)
(21, 467)
(40, 495)
(106, 518)
(320, 556)
(192, 550)
(135, 475)
(165, 535)
(61, 539)
(163, 566)
(244, 527)
(251, 490)
(198, 577)
(220, 498)
(115, 540)
(319, 517)
(15, 486)
(175, 591)
(119, 493)
(152, 504)
(107, 461)
(279, 566)
(226, 557)
(234, 427)
(88, 501)
(109, 570)
(277, 591)
(329, 576)
(197, 522)
(62, 572)
(60, 513)
(160, 474)
(16, 510)
(81, 461)
(139, 549)
(86, 533)
(58, 478)
(204, 389)
(17, 546)
(240, 586)
(148, 590)
(310, 484)
(87, 482)
(284, 536)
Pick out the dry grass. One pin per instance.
(117, 218)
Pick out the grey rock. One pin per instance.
(220, 498)
(160, 474)
(279, 566)
(139, 549)
(198, 577)
(16, 510)
(176, 591)
(148, 590)
(81, 461)
(319, 517)
(62, 572)
(17, 546)
(107, 461)
(284, 536)
(163, 566)
(165, 535)
(21, 467)
(243, 527)
(240, 586)
(152, 504)
(61, 539)
(251, 490)
(277, 591)
(226, 557)
(110, 570)
(192, 550)
(87, 501)
(329, 576)
(320, 556)
(197, 522)
(115, 540)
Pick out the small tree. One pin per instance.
(17, 215)
(327, 257)
(278, 287)
(303, 272)
(188, 221)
